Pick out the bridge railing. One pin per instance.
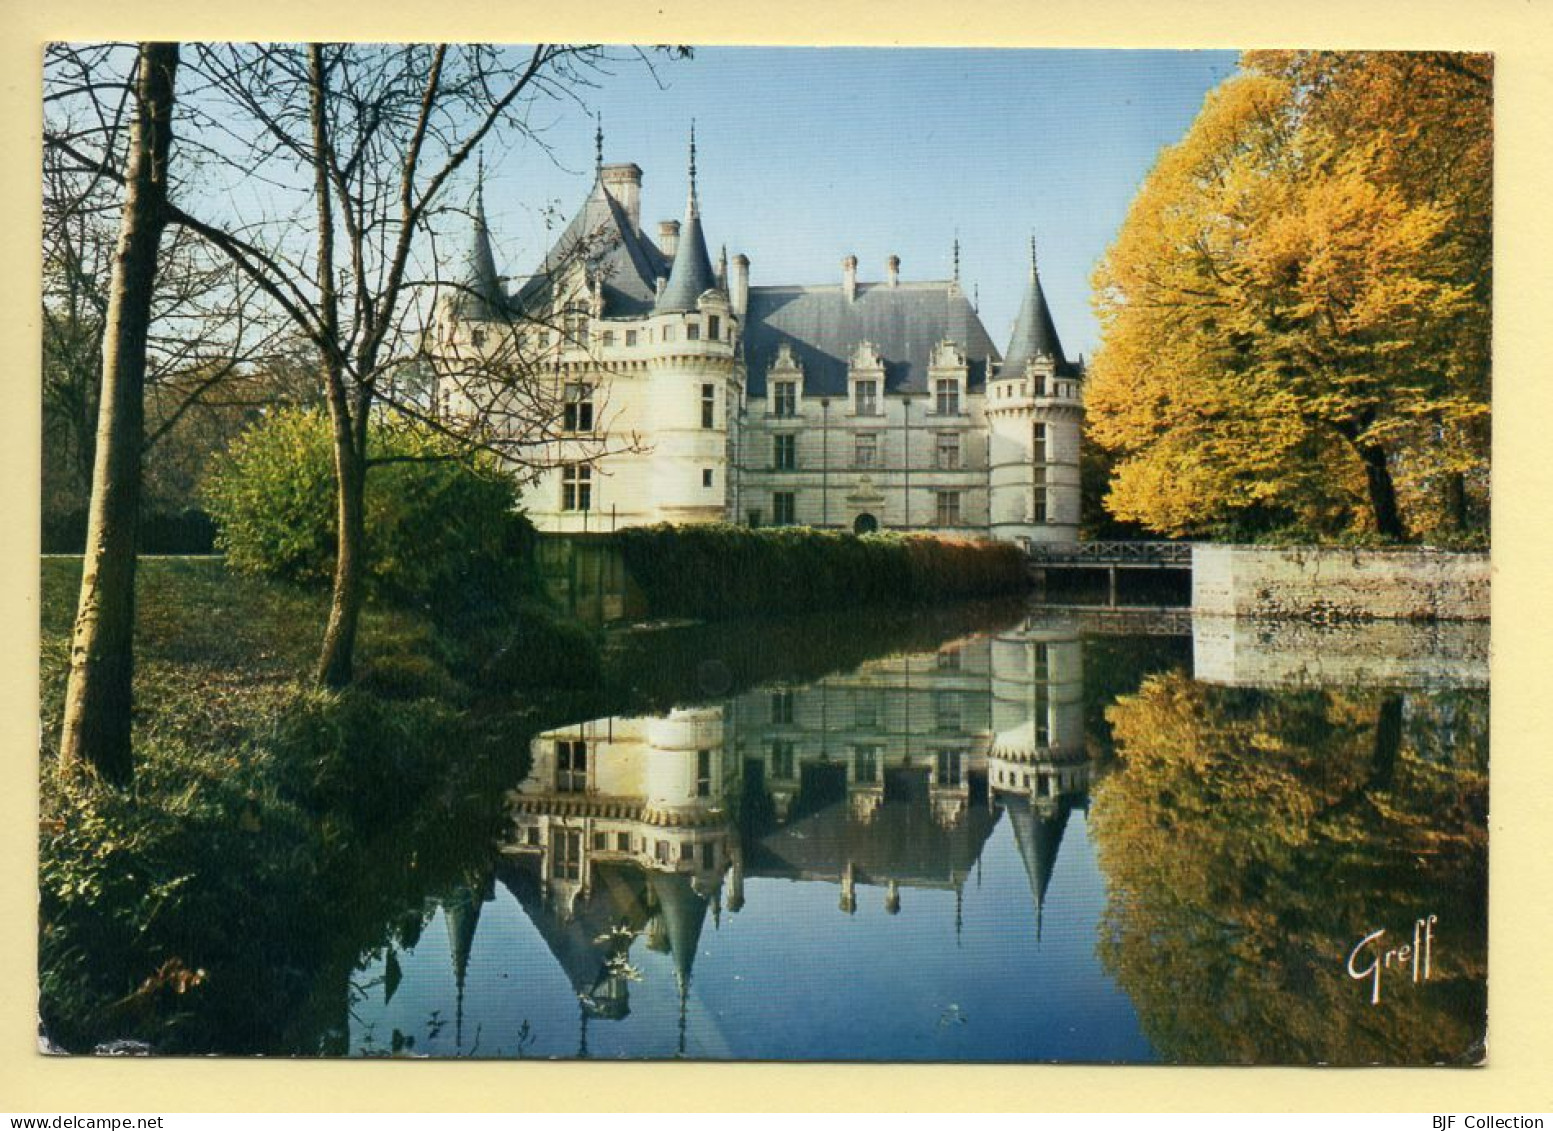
(1111, 553)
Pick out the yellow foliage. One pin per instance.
(1293, 314)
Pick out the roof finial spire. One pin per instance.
(957, 255)
(480, 183)
(598, 143)
(693, 202)
(1032, 255)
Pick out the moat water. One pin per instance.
(1048, 836)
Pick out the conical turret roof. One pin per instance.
(480, 290)
(1035, 335)
(692, 273)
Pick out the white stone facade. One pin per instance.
(679, 393)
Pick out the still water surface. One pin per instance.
(1061, 838)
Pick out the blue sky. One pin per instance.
(807, 155)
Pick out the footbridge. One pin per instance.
(1111, 557)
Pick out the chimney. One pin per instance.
(668, 237)
(739, 285)
(624, 183)
(892, 270)
(849, 278)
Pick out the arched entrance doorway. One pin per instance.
(865, 524)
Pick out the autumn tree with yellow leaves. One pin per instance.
(1296, 312)
(1250, 838)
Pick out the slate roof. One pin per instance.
(823, 329)
(480, 292)
(629, 262)
(692, 275)
(1035, 335)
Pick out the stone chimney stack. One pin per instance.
(892, 270)
(849, 278)
(739, 285)
(624, 183)
(668, 237)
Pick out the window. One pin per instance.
(661, 851)
(566, 864)
(574, 322)
(708, 856)
(706, 477)
(866, 398)
(600, 842)
(622, 842)
(947, 452)
(782, 508)
(1042, 662)
(1038, 457)
(703, 773)
(607, 338)
(784, 400)
(571, 765)
(950, 763)
(782, 767)
(576, 487)
(714, 326)
(949, 660)
(948, 508)
(709, 406)
(692, 331)
(754, 518)
(865, 712)
(577, 413)
(1040, 384)
(865, 764)
(781, 707)
(533, 836)
(687, 851)
(948, 397)
(477, 337)
(946, 710)
(784, 455)
(668, 334)
(867, 449)
(630, 337)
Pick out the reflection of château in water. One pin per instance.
(889, 777)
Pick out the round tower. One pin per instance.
(696, 389)
(1035, 421)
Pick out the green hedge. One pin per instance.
(728, 571)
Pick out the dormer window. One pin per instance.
(947, 397)
(784, 398)
(574, 322)
(866, 398)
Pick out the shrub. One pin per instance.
(723, 571)
(441, 525)
(541, 649)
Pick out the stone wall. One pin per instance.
(1333, 585)
(1242, 652)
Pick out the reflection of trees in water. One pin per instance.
(1252, 838)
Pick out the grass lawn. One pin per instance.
(214, 649)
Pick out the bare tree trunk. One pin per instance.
(98, 696)
(335, 667)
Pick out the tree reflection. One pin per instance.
(1250, 839)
